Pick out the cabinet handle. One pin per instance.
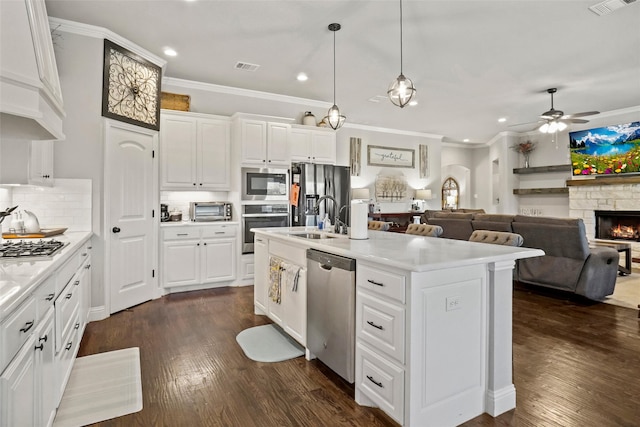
(205, 243)
(77, 326)
(50, 297)
(370, 378)
(200, 183)
(375, 283)
(89, 247)
(40, 347)
(43, 339)
(88, 266)
(27, 326)
(68, 346)
(219, 232)
(84, 254)
(374, 325)
(69, 296)
(76, 283)
(197, 244)
(116, 229)
(182, 234)
(194, 183)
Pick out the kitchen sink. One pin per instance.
(313, 235)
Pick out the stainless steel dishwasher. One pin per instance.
(331, 305)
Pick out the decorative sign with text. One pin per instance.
(390, 157)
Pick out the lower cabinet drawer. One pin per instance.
(70, 343)
(381, 381)
(15, 330)
(66, 306)
(381, 324)
(45, 295)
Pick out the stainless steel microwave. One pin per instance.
(265, 184)
(210, 211)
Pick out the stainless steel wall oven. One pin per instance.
(262, 216)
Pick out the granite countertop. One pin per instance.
(407, 252)
(18, 279)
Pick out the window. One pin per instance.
(450, 194)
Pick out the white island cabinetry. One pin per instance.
(195, 152)
(432, 321)
(195, 255)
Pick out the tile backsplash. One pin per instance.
(66, 204)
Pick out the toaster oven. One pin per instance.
(210, 211)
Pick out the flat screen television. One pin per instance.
(611, 150)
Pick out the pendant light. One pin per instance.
(401, 89)
(334, 118)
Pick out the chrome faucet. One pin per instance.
(336, 216)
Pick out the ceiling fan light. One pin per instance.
(334, 118)
(544, 128)
(561, 126)
(401, 91)
(553, 126)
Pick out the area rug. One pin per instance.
(101, 386)
(268, 343)
(627, 291)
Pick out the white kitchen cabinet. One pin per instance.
(261, 275)
(312, 145)
(264, 143)
(31, 106)
(18, 388)
(195, 152)
(85, 284)
(197, 255)
(41, 163)
(291, 312)
(46, 402)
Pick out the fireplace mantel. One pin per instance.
(615, 180)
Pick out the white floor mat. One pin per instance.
(267, 343)
(101, 386)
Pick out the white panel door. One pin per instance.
(132, 197)
(278, 144)
(323, 147)
(253, 137)
(219, 260)
(178, 152)
(214, 158)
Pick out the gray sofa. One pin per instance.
(569, 264)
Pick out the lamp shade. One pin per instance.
(360, 193)
(423, 194)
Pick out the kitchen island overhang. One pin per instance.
(456, 358)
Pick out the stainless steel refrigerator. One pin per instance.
(316, 181)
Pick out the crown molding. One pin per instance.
(66, 26)
(214, 88)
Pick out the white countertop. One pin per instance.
(404, 251)
(18, 279)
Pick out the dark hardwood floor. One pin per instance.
(576, 363)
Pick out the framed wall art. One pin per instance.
(131, 87)
(391, 157)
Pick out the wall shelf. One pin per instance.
(608, 180)
(543, 169)
(538, 191)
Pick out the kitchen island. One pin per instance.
(433, 319)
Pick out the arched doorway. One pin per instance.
(450, 193)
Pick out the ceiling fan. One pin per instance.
(556, 121)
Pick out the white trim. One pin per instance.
(210, 87)
(98, 313)
(66, 26)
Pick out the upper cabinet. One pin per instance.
(195, 152)
(31, 103)
(264, 143)
(314, 145)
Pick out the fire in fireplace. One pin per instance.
(618, 225)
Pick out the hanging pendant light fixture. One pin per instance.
(401, 89)
(334, 118)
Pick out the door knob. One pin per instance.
(116, 229)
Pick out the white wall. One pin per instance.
(81, 155)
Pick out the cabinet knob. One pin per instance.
(69, 296)
(76, 283)
(116, 229)
(200, 183)
(68, 346)
(194, 183)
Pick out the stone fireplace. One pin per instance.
(617, 196)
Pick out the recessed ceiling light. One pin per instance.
(465, 140)
(502, 119)
(302, 77)
(170, 52)
(413, 103)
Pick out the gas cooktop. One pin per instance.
(30, 249)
